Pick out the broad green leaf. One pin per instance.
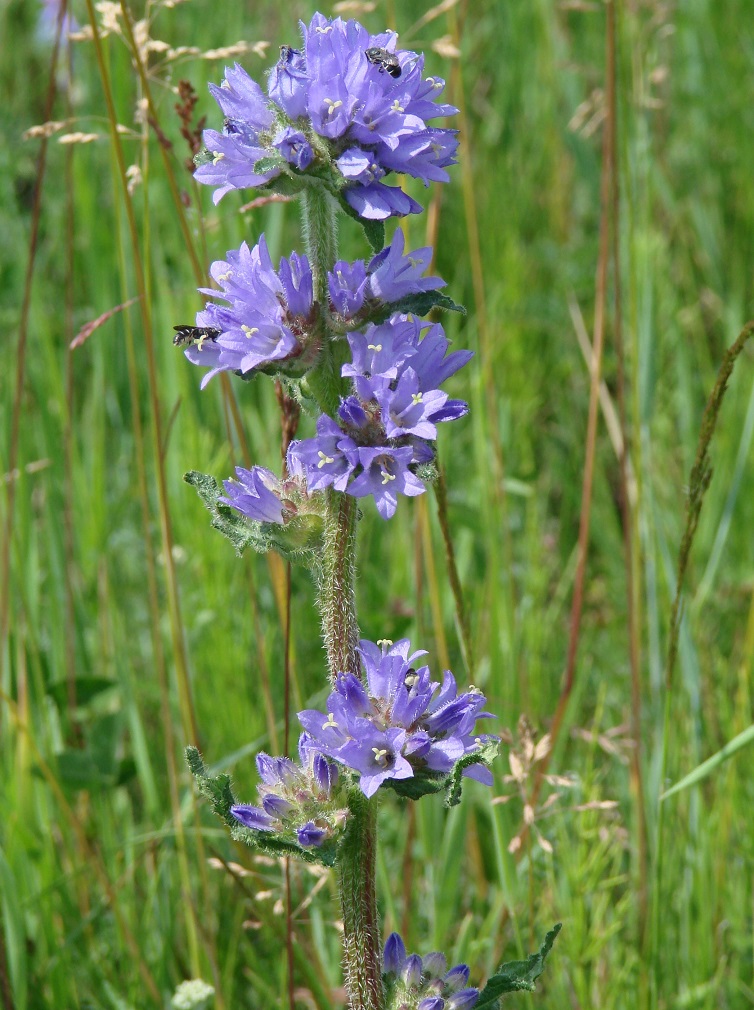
(515, 976)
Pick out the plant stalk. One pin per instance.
(362, 967)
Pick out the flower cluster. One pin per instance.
(348, 106)
(268, 316)
(424, 983)
(296, 800)
(400, 722)
(386, 427)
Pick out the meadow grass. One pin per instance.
(131, 629)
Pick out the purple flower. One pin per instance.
(385, 475)
(328, 93)
(268, 315)
(411, 972)
(347, 284)
(392, 275)
(385, 429)
(256, 494)
(298, 801)
(288, 84)
(424, 977)
(389, 277)
(397, 721)
(329, 459)
(431, 1003)
(294, 147)
(408, 411)
(457, 977)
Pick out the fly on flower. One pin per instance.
(384, 60)
(186, 335)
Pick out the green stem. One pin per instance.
(337, 596)
(362, 968)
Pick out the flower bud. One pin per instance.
(435, 965)
(395, 954)
(433, 1003)
(457, 977)
(463, 1000)
(411, 973)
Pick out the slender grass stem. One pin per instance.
(699, 481)
(23, 333)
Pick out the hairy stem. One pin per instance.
(362, 970)
(337, 596)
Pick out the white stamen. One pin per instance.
(218, 157)
(332, 105)
(324, 460)
(387, 477)
(374, 347)
(397, 107)
(380, 756)
(250, 330)
(416, 398)
(330, 721)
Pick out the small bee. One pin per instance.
(384, 60)
(186, 335)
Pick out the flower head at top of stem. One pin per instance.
(348, 107)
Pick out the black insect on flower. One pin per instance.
(186, 334)
(384, 60)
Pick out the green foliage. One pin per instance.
(515, 976)
(80, 607)
(419, 304)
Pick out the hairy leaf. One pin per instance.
(515, 976)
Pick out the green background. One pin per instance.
(115, 882)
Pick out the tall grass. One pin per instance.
(131, 629)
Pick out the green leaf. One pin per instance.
(421, 784)
(77, 769)
(516, 975)
(425, 782)
(240, 533)
(375, 233)
(269, 164)
(484, 756)
(419, 305)
(86, 689)
(374, 230)
(216, 788)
